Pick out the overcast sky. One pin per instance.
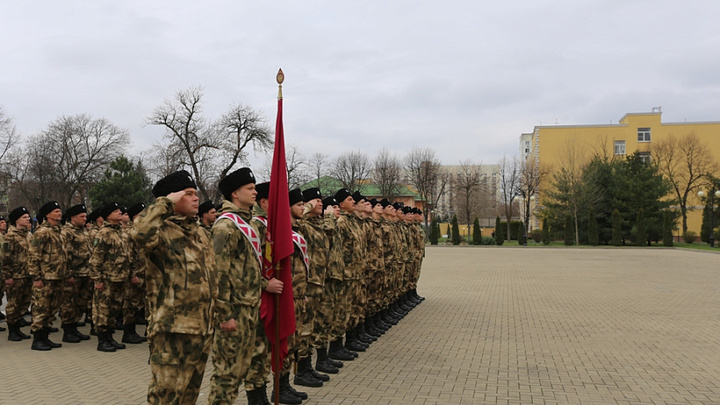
(463, 77)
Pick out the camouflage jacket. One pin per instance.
(205, 228)
(374, 237)
(389, 242)
(353, 243)
(109, 260)
(299, 270)
(238, 270)
(336, 265)
(179, 276)
(16, 249)
(79, 250)
(136, 256)
(313, 229)
(48, 258)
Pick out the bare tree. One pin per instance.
(387, 174)
(509, 186)
(236, 130)
(318, 168)
(8, 134)
(425, 173)
(296, 167)
(531, 175)
(352, 169)
(467, 184)
(685, 162)
(67, 158)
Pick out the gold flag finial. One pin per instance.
(280, 78)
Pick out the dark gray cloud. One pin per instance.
(462, 77)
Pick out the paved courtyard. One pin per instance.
(499, 326)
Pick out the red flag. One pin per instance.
(280, 245)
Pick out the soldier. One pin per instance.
(76, 294)
(108, 270)
(320, 299)
(256, 378)
(134, 296)
(15, 272)
(180, 284)
(237, 306)
(207, 215)
(47, 267)
(359, 306)
(3, 230)
(353, 248)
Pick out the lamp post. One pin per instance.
(712, 195)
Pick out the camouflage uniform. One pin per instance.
(353, 249)
(335, 284)
(239, 286)
(134, 295)
(260, 364)
(15, 266)
(79, 293)
(180, 290)
(375, 265)
(299, 343)
(108, 265)
(48, 261)
(319, 304)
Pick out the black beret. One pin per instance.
(109, 209)
(384, 202)
(235, 180)
(173, 182)
(16, 214)
(342, 194)
(397, 205)
(311, 194)
(46, 209)
(135, 209)
(406, 210)
(358, 197)
(295, 195)
(93, 216)
(374, 202)
(205, 207)
(263, 190)
(75, 210)
(328, 201)
(2, 218)
(123, 209)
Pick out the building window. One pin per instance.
(644, 157)
(643, 134)
(619, 148)
(527, 147)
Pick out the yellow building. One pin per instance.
(571, 146)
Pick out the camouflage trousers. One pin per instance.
(335, 290)
(232, 356)
(45, 303)
(177, 364)
(299, 342)
(374, 288)
(133, 301)
(19, 296)
(260, 363)
(107, 304)
(354, 293)
(320, 311)
(75, 299)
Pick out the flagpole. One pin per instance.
(276, 346)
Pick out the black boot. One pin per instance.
(49, 342)
(130, 336)
(79, 334)
(93, 332)
(417, 296)
(113, 341)
(324, 363)
(254, 397)
(14, 333)
(336, 351)
(23, 322)
(363, 336)
(286, 396)
(103, 344)
(320, 376)
(351, 342)
(304, 376)
(38, 342)
(68, 335)
(371, 329)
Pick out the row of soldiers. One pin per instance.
(355, 271)
(73, 264)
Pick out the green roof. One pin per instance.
(328, 185)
